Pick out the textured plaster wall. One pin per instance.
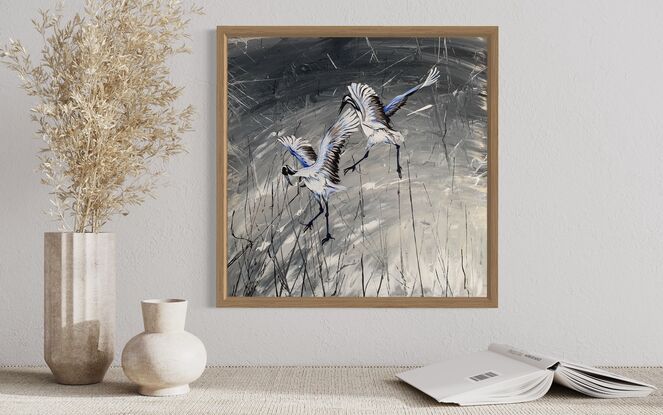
(581, 190)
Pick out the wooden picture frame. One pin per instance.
(489, 33)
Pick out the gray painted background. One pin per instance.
(580, 197)
(422, 235)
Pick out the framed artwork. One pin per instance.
(357, 166)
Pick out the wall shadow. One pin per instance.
(210, 49)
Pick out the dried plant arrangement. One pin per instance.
(106, 109)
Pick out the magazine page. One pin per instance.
(504, 374)
(467, 373)
(601, 376)
(585, 379)
(522, 389)
(534, 359)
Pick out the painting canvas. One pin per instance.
(357, 167)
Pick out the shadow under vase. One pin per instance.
(77, 354)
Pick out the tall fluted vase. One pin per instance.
(79, 305)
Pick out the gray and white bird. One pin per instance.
(376, 118)
(319, 173)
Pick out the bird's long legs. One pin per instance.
(310, 223)
(398, 161)
(299, 187)
(354, 166)
(399, 170)
(328, 236)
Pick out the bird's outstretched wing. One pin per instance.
(369, 105)
(300, 148)
(400, 100)
(332, 145)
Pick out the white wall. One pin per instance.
(581, 191)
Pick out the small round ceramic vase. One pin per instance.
(164, 359)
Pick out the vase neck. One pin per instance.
(160, 316)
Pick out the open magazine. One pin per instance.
(503, 374)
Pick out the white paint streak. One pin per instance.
(332, 62)
(424, 108)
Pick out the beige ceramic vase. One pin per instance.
(79, 305)
(164, 359)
